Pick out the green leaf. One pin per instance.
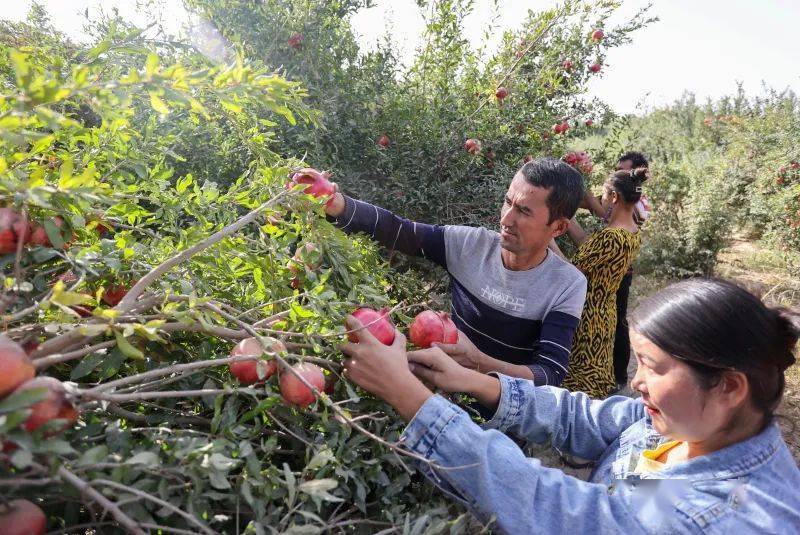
(54, 235)
(219, 480)
(101, 47)
(21, 459)
(322, 457)
(151, 64)
(231, 107)
(65, 171)
(319, 488)
(93, 455)
(145, 458)
(184, 183)
(86, 366)
(159, 105)
(127, 349)
(222, 463)
(23, 399)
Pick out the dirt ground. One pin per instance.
(765, 273)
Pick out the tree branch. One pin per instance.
(84, 487)
(125, 488)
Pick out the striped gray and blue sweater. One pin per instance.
(522, 317)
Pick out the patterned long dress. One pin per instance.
(604, 258)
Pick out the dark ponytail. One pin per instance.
(715, 325)
(628, 184)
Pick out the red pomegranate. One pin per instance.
(15, 365)
(294, 391)
(13, 229)
(21, 517)
(472, 145)
(429, 327)
(54, 406)
(247, 371)
(318, 184)
(114, 294)
(501, 93)
(384, 141)
(376, 322)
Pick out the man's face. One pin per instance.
(624, 165)
(524, 216)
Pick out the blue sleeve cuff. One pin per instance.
(512, 398)
(423, 430)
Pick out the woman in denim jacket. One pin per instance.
(699, 452)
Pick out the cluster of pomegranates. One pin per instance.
(428, 327)
(19, 375)
(16, 228)
(580, 160)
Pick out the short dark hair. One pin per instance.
(637, 159)
(714, 325)
(564, 182)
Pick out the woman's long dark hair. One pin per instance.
(714, 325)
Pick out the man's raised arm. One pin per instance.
(391, 231)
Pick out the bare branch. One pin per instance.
(84, 487)
(45, 362)
(125, 488)
(160, 395)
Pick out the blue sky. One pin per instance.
(703, 46)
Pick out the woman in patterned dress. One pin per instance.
(604, 257)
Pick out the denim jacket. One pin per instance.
(750, 487)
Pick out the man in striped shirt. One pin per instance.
(515, 303)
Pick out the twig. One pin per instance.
(18, 315)
(160, 395)
(147, 418)
(285, 428)
(84, 487)
(168, 370)
(24, 482)
(125, 488)
(45, 362)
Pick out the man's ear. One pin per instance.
(559, 226)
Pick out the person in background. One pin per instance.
(604, 257)
(515, 303)
(622, 344)
(698, 452)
